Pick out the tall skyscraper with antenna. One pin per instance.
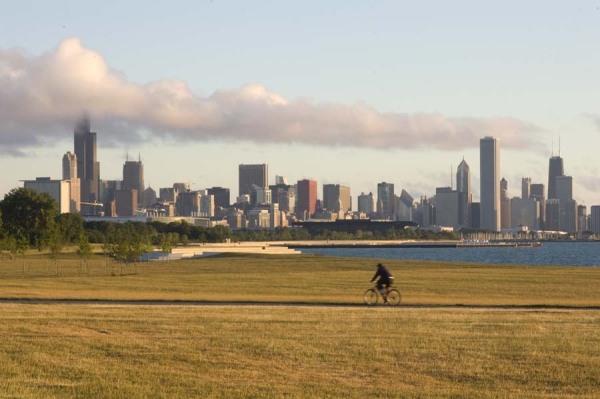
(88, 168)
(133, 178)
(555, 169)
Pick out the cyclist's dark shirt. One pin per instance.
(383, 274)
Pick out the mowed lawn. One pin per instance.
(299, 279)
(103, 351)
(249, 350)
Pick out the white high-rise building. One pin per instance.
(489, 163)
(463, 187)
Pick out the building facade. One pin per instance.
(489, 162)
(249, 175)
(88, 168)
(385, 200)
(306, 198)
(133, 179)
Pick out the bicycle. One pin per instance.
(371, 296)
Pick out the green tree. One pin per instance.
(70, 226)
(84, 251)
(29, 215)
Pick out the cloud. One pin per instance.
(41, 97)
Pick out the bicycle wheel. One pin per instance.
(393, 297)
(370, 296)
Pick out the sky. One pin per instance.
(347, 92)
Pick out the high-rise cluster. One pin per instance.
(263, 205)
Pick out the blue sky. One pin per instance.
(342, 92)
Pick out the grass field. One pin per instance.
(247, 351)
(315, 279)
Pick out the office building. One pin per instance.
(336, 198)
(385, 200)
(552, 215)
(568, 216)
(489, 154)
(207, 206)
(595, 219)
(366, 204)
(88, 168)
(188, 203)
(249, 175)
(463, 187)
(525, 187)
(555, 169)
(447, 207)
(582, 219)
(126, 202)
(403, 206)
(538, 191)
(222, 196)
(133, 178)
(306, 193)
(69, 167)
(563, 188)
(149, 197)
(504, 205)
(525, 212)
(59, 190)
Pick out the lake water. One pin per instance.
(550, 253)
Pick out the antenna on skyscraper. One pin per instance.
(451, 183)
(140, 157)
(559, 145)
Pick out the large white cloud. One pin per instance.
(40, 98)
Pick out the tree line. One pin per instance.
(30, 220)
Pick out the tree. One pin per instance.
(70, 226)
(84, 251)
(28, 215)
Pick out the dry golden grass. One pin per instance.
(314, 279)
(73, 351)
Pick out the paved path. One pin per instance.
(112, 302)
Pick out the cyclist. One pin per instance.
(385, 280)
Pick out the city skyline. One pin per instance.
(400, 99)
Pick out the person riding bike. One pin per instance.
(385, 280)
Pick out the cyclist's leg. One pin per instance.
(380, 288)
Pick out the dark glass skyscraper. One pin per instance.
(249, 175)
(88, 169)
(555, 170)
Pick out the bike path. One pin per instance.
(145, 302)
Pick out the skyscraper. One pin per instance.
(489, 163)
(385, 199)
(249, 175)
(555, 169)
(538, 192)
(307, 198)
(336, 198)
(463, 187)
(69, 166)
(366, 203)
(525, 187)
(504, 205)
(88, 169)
(133, 178)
